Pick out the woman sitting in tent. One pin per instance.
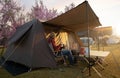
(59, 48)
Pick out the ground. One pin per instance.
(112, 70)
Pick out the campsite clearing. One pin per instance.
(111, 71)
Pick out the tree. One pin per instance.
(41, 12)
(71, 6)
(10, 18)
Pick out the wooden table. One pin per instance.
(99, 55)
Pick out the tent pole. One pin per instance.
(103, 40)
(98, 41)
(88, 34)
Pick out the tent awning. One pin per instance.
(77, 18)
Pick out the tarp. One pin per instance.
(77, 18)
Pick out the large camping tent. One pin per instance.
(29, 47)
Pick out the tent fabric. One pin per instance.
(14, 68)
(20, 31)
(77, 18)
(29, 47)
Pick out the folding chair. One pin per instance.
(59, 57)
(90, 61)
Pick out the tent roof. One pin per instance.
(76, 18)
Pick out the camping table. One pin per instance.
(101, 54)
(98, 54)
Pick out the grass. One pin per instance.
(112, 70)
(62, 72)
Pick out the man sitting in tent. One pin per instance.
(59, 48)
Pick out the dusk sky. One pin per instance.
(108, 11)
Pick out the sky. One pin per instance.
(108, 11)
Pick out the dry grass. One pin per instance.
(112, 70)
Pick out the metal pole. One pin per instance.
(88, 34)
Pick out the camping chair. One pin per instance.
(59, 57)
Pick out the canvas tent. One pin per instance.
(29, 47)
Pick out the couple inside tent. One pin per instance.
(60, 48)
